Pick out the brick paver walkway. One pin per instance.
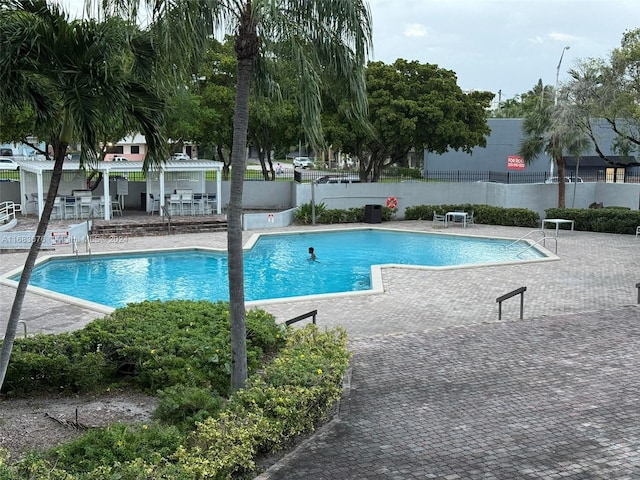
(440, 389)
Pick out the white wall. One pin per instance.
(278, 196)
(536, 197)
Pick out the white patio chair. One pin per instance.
(186, 203)
(439, 220)
(470, 221)
(154, 204)
(85, 206)
(175, 204)
(58, 211)
(31, 205)
(70, 207)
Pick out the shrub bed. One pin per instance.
(198, 433)
(147, 346)
(329, 216)
(604, 220)
(489, 215)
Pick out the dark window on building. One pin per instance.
(135, 149)
(115, 149)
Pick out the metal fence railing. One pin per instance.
(397, 175)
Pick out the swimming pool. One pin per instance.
(276, 266)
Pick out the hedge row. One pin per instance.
(511, 217)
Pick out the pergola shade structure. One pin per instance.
(171, 177)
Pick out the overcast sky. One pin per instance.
(495, 45)
(500, 44)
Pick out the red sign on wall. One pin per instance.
(515, 162)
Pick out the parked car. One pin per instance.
(302, 162)
(339, 179)
(119, 158)
(566, 180)
(180, 156)
(7, 163)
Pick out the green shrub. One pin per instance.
(148, 345)
(184, 406)
(293, 393)
(117, 444)
(289, 398)
(304, 213)
(331, 216)
(512, 217)
(605, 220)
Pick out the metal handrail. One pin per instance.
(312, 313)
(24, 324)
(518, 291)
(74, 246)
(555, 239)
(524, 236)
(166, 213)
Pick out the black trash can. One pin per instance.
(373, 214)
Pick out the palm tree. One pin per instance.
(77, 76)
(325, 40)
(548, 129)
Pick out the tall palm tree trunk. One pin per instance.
(234, 233)
(561, 181)
(16, 308)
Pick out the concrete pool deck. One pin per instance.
(439, 388)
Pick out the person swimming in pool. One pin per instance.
(312, 255)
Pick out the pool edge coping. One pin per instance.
(377, 284)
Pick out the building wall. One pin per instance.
(504, 140)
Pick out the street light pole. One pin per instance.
(555, 91)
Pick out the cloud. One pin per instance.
(415, 30)
(563, 37)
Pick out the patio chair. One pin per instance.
(154, 204)
(470, 221)
(210, 203)
(85, 206)
(439, 220)
(58, 210)
(186, 203)
(175, 204)
(637, 231)
(31, 205)
(70, 207)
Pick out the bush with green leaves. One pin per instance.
(605, 220)
(148, 346)
(291, 395)
(184, 406)
(117, 444)
(331, 216)
(487, 214)
(306, 212)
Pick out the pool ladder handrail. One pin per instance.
(76, 249)
(531, 245)
(525, 236)
(537, 242)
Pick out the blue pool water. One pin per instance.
(276, 266)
